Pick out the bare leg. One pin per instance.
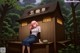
(23, 49)
(28, 49)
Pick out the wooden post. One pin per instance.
(55, 48)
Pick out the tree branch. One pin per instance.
(76, 5)
(10, 6)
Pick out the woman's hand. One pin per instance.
(40, 41)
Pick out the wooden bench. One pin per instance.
(15, 47)
(63, 44)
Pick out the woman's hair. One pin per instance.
(32, 23)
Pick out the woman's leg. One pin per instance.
(23, 49)
(28, 49)
(28, 41)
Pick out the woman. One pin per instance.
(35, 30)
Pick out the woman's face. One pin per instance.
(34, 25)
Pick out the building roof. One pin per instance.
(49, 9)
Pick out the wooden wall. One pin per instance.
(60, 32)
(47, 29)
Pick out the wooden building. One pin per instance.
(49, 18)
(51, 21)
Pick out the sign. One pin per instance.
(2, 50)
(69, 1)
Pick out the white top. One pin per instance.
(36, 30)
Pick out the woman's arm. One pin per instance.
(39, 33)
(39, 38)
(40, 41)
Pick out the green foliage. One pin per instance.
(70, 49)
(13, 14)
(9, 4)
(28, 7)
(10, 28)
(67, 14)
(47, 1)
(2, 1)
(8, 25)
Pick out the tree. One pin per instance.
(5, 7)
(72, 22)
(67, 11)
(10, 29)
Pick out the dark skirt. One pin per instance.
(29, 40)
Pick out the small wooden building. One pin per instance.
(49, 18)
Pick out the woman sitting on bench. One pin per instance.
(35, 29)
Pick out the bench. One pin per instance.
(15, 47)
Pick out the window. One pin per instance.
(59, 21)
(43, 9)
(38, 11)
(24, 24)
(47, 19)
(31, 12)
